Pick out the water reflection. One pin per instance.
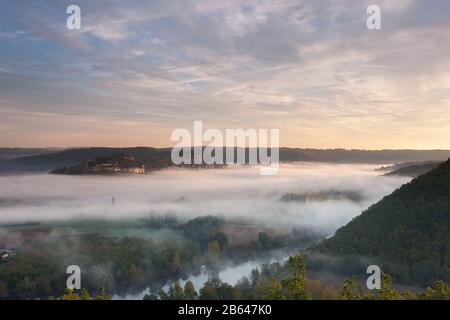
(230, 274)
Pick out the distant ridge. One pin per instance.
(414, 170)
(12, 153)
(51, 159)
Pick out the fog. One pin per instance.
(230, 274)
(234, 193)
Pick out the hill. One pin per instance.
(374, 156)
(46, 160)
(414, 170)
(11, 153)
(409, 228)
(79, 156)
(76, 160)
(135, 161)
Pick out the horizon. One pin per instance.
(166, 147)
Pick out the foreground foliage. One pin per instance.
(71, 294)
(289, 282)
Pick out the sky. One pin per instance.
(137, 70)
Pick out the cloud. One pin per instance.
(309, 67)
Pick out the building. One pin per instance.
(5, 254)
(136, 170)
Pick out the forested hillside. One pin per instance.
(409, 228)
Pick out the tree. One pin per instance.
(258, 291)
(440, 290)
(221, 238)
(297, 281)
(102, 295)
(264, 242)
(386, 290)
(176, 292)
(189, 291)
(69, 294)
(176, 263)
(162, 294)
(237, 293)
(201, 228)
(85, 294)
(26, 288)
(208, 292)
(348, 290)
(213, 248)
(150, 296)
(321, 291)
(275, 290)
(225, 291)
